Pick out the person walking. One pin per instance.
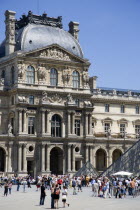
(10, 187)
(43, 194)
(5, 189)
(56, 196)
(64, 197)
(18, 184)
(52, 196)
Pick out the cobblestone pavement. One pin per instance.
(82, 201)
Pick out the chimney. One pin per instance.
(92, 82)
(10, 32)
(74, 29)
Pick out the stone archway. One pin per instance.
(56, 161)
(101, 160)
(116, 154)
(2, 159)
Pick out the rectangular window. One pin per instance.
(107, 127)
(122, 128)
(31, 125)
(31, 99)
(106, 107)
(122, 109)
(77, 102)
(77, 127)
(137, 109)
(137, 131)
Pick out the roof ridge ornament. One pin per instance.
(39, 19)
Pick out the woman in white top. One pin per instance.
(64, 197)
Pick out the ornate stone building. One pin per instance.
(53, 118)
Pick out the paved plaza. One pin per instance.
(82, 201)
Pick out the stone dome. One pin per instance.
(35, 36)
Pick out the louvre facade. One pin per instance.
(53, 118)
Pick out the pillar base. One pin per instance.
(22, 173)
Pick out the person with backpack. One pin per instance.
(74, 186)
(56, 196)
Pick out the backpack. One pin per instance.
(57, 191)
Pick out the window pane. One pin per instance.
(107, 127)
(106, 107)
(53, 77)
(56, 126)
(75, 79)
(30, 75)
(31, 99)
(31, 125)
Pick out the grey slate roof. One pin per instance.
(34, 36)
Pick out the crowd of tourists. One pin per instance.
(58, 185)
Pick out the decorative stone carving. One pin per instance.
(70, 99)
(55, 53)
(22, 99)
(66, 75)
(41, 73)
(10, 129)
(85, 79)
(45, 98)
(21, 70)
(55, 98)
(108, 133)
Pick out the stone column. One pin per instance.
(20, 121)
(6, 163)
(90, 124)
(87, 153)
(73, 123)
(86, 124)
(69, 158)
(48, 124)
(69, 123)
(63, 128)
(43, 122)
(91, 154)
(24, 158)
(43, 158)
(48, 158)
(109, 157)
(24, 125)
(73, 158)
(10, 157)
(93, 158)
(19, 157)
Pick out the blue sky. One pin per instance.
(109, 34)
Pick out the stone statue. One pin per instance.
(70, 99)
(85, 79)
(10, 129)
(45, 98)
(20, 70)
(109, 133)
(41, 72)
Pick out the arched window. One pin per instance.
(56, 126)
(53, 77)
(30, 75)
(75, 79)
(12, 75)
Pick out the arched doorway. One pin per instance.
(101, 160)
(116, 154)
(56, 161)
(2, 160)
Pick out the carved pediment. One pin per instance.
(55, 52)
